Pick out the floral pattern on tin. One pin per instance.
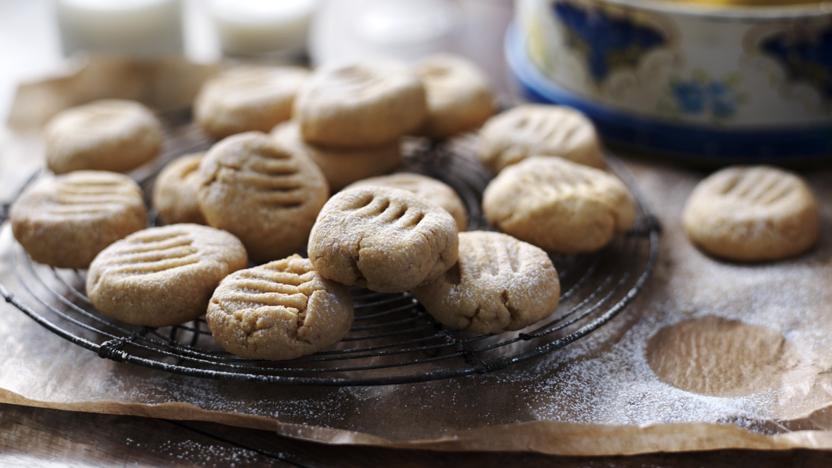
(701, 95)
(805, 54)
(607, 42)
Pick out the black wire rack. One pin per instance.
(392, 340)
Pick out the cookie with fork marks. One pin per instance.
(385, 239)
(164, 275)
(539, 130)
(248, 98)
(360, 105)
(459, 98)
(106, 135)
(64, 221)
(174, 192)
(752, 213)
(426, 188)
(499, 283)
(558, 205)
(265, 195)
(280, 310)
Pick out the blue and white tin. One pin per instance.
(708, 84)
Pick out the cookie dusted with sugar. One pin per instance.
(752, 213)
(107, 135)
(66, 220)
(265, 195)
(500, 283)
(427, 189)
(385, 239)
(558, 205)
(459, 98)
(164, 275)
(175, 191)
(341, 166)
(248, 99)
(280, 310)
(539, 130)
(360, 105)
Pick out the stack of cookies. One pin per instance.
(350, 119)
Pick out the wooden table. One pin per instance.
(30, 436)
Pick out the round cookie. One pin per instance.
(459, 98)
(248, 99)
(280, 310)
(263, 194)
(425, 188)
(175, 191)
(539, 130)
(500, 283)
(341, 166)
(65, 220)
(163, 275)
(385, 239)
(752, 213)
(558, 205)
(107, 135)
(360, 105)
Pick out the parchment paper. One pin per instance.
(599, 396)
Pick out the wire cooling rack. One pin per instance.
(392, 339)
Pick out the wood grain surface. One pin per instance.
(35, 437)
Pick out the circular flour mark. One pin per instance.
(720, 357)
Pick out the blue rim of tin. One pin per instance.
(695, 143)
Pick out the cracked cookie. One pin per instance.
(174, 193)
(65, 220)
(752, 213)
(459, 98)
(280, 310)
(341, 166)
(499, 283)
(164, 275)
(265, 195)
(539, 130)
(106, 135)
(385, 239)
(360, 105)
(558, 205)
(426, 188)
(248, 99)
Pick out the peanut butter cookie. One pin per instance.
(360, 105)
(341, 166)
(559, 205)
(500, 283)
(427, 189)
(175, 191)
(107, 135)
(385, 239)
(280, 310)
(163, 275)
(262, 193)
(65, 220)
(248, 99)
(538, 130)
(752, 213)
(459, 98)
